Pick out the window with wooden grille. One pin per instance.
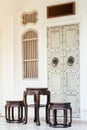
(30, 54)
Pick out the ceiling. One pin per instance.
(10, 6)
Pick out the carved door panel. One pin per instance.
(63, 76)
(55, 81)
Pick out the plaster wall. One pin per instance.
(12, 82)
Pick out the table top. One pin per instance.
(39, 91)
(36, 88)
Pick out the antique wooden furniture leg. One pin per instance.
(26, 114)
(18, 113)
(26, 107)
(21, 113)
(6, 112)
(12, 113)
(35, 111)
(65, 117)
(47, 105)
(54, 117)
(70, 116)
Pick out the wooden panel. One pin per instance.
(61, 10)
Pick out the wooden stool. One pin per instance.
(9, 111)
(60, 106)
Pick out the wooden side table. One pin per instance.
(9, 111)
(60, 106)
(36, 92)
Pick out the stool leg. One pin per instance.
(25, 114)
(70, 116)
(21, 113)
(48, 115)
(65, 117)
(9, 114)
(18, 114)
(6, 113)
(12, 114)
(54, 117)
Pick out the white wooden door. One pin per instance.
(63, 65)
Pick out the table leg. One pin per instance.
(35, 112)
(47, 109)
(26, 109)
(37, 109)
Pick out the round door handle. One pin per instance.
(55, 61)
(70, 60)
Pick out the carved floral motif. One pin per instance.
(29, 17)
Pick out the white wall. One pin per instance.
(12, 56)
(7, 62)
(0, 68)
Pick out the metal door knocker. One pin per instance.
(55, 61)
(70, 60)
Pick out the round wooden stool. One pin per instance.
(53, 107)
(10, 111)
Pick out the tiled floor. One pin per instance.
(32, 126)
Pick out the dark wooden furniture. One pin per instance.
(36, 92)
(53, 107)
(10, 110)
